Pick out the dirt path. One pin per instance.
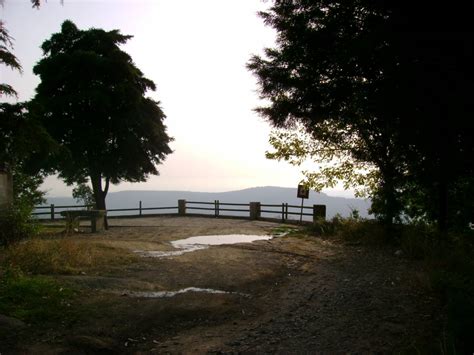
(294, 294)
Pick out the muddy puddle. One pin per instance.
(191, 244)
(165, 294)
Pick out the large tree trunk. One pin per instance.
(443, 186)
(389, 196)
(100, 194)
(443, 206)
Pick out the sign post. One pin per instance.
(303, 192)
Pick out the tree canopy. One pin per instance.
(91, 99)
(391, 78)
(25, 148)
(7, 58)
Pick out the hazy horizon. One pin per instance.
(196, 54)
(332, 192)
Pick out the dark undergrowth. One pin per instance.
(449, 260)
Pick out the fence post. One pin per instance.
(140, 208)
(182, 207)
(216, 208)
(283, 212)
(286, 211)
(319, 212)
(255, 210)
(52, 211)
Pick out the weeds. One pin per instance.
(353, 229)
(452, 277)
(449, 261)
(36, 300)
(284, 230)
(61, 256)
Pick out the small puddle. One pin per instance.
(219, 239)
(203, 242)
(164, 294)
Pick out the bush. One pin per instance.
(16, 224)
(352, 229)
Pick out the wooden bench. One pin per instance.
(96, 217)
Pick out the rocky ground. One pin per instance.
(292, 294)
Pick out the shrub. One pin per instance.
(352, 229)
(16, 224)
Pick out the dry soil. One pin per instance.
(292, 294)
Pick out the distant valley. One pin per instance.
(265, 195)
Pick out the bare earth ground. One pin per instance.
(294, 294)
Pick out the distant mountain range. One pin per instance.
(265, 195)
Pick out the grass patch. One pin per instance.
(286, 230)
(36, 300)
(62, 256)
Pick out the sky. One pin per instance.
(195, 52)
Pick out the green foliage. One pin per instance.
(334, 160)
(285, 230)
(365, 81)
(449, 260)
(16, 224)
(25, 148)
(24, 142)
(26, 188)
(36, 300)
(418, 240)
(83, 194)
(7, 58)
(353, 229)
(91, 99)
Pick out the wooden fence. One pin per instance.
(252, 210)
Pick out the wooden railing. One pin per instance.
(251, 210)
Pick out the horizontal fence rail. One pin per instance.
(252, 210)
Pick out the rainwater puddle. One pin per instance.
(164, 294)
(202, 242)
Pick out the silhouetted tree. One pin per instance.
(91, 100)
(394, 77)
(25, 148)
(7, 58)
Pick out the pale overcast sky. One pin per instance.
(195, 52)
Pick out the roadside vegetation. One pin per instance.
(448, 260)
(31, 259)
